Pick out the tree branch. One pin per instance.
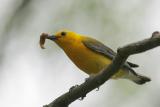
(122, 54)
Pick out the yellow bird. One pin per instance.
(91, 56)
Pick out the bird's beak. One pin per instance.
(52, 37)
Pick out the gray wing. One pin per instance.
(97, 46)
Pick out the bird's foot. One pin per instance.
(89, 78)
(73, 87)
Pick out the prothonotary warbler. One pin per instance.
(91, 56)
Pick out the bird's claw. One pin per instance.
(86, 79)
(73, 87)
(89, 78)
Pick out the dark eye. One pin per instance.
(63, 33)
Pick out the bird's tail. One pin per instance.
(138, 78)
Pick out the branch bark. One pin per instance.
(122, 54)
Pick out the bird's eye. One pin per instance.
(63, 33)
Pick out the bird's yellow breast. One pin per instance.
(85, 59)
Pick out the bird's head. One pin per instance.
(64, 37)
